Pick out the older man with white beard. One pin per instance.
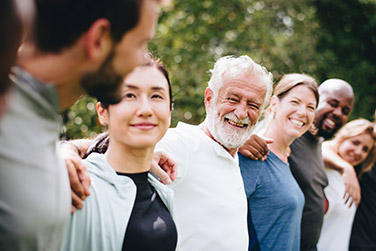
(210, 205)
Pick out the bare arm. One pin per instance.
(334, 161)
(256, 147)
(72, 153)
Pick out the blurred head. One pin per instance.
(130, 25)
(336, 103)
(143, 115)
(237, 92)
(292, 108)
(11, 34)
(355, 143)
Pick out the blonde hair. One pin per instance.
(352, 129)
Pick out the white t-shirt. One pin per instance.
(210, 205)
(336, 229)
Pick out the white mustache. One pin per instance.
(232, 117)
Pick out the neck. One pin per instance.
(281, 143)
(129, 160)
(61, 69)
(231, 151)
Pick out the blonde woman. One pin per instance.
(275, 201)
(354, 144)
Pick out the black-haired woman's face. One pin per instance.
(143, 115)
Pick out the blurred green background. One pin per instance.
(323, 38)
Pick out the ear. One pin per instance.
(102, 114)
(274, 101)
(98, 41)
(209, 96)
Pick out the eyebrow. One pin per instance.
(239, 97)
(155, 88)
(301, 100)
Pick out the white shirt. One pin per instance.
(336, 228)
(210, 205)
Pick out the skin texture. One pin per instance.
(356, 149)
(336, 102)
(142, 117)
(235, 110)
(292, 117)
(335, 105)
(126, 54)
(11, 30)
(138, 122)
(94, 65)
(294, 113)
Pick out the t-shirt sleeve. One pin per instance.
(176, 145)
(251, 171)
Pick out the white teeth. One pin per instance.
(330, 122)
(297, 122)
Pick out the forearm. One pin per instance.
(80, 146)
(331, 159)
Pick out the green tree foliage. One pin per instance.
(284, 36)
(347, 48)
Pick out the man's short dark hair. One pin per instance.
(59, 23)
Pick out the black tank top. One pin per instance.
(150, 226)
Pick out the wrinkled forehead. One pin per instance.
(249, 86)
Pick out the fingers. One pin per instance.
(352, 196)
(79, 178)
(74, 180)
(164, 167)
(160, 173)
(76, 201)
(247, 153)
(352, 187)
(73, 209)
(255, 148)
(267, 140)
(84, 177)
(169, 165)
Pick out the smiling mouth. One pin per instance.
(240, 125)
(144, 126)
(297, 122)
(330, 123)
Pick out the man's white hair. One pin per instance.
(236, 65)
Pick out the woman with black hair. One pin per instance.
(128, 208)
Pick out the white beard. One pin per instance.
(223, 133)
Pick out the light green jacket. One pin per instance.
(102, 222)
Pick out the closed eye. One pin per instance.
(295, 102)
(311, 108)
(157, 96)
(233, 100)
(254, 106)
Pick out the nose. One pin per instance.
(337, 112)
(302, 111)
(358, 150)
(241, 111)
(145, 109)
